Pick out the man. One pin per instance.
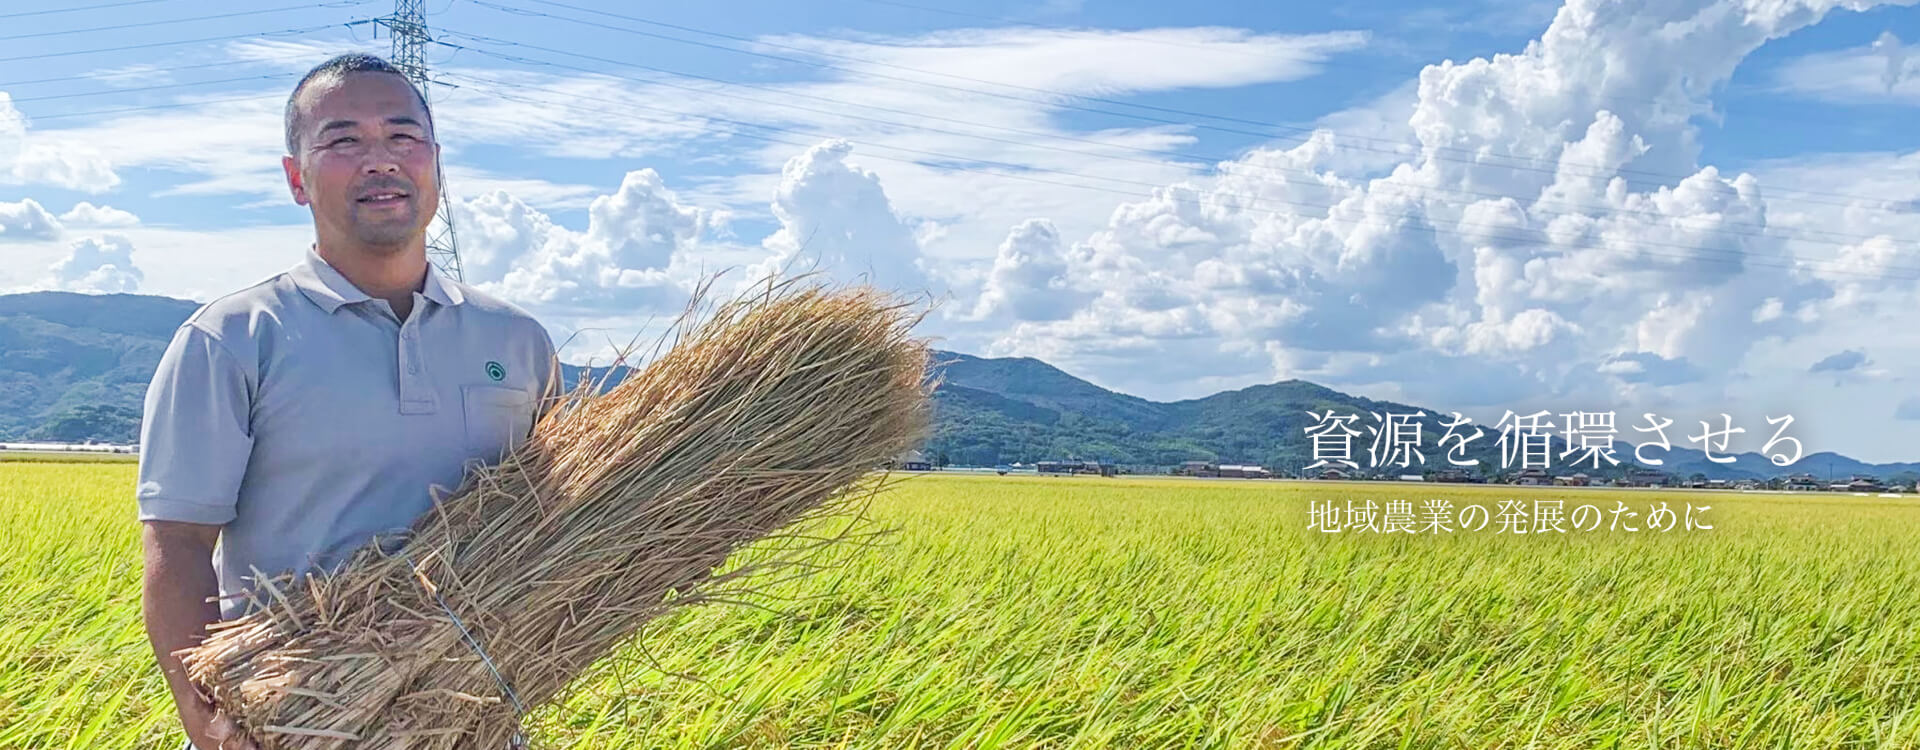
(291, 422)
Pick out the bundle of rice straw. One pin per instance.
(771, 410)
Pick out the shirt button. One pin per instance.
(413, 369)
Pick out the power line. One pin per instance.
(1163, 42)
(216, 16)
(175, 105)
(1414, 190)
(1274, 55)
(80, 8)
(125, 47)
(100, 76)
(1470, 158)
(754, 125)
(1740, 257)
(138, 89)
(1762, 261)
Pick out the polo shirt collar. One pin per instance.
(440, 289)
(324, 285)
(318, 279)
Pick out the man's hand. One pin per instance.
(178, 583)
(208, 729)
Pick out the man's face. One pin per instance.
(367, 161)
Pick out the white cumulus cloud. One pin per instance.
(1031, 276)
(84, 214)
(27, 221)
(632, 255)
(1552, 221)
(29, 159)
(835, 218)
(98, 265)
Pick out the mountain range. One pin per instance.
(75, 367)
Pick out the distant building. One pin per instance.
(1244, 471)
(1198, 469)
(1803, 483)
(913, 461)
(1098, 468)
(1534, 476)
(1648, 478)
(1095, 468)
(1412, 478)
(1332, 474)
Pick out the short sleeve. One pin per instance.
(196, 434)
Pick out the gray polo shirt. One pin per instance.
(304, 418)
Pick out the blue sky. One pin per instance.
(1686, 208)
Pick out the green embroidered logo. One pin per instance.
(495, 371)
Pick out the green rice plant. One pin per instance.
(1025, 612)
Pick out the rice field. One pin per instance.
(1026, 612)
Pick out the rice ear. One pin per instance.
(769, 410)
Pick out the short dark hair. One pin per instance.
(340, 65)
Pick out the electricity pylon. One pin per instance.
(408, 25)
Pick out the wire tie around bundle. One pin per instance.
(519, 739)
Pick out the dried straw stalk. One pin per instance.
(768, 412)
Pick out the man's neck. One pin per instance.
(391, 277)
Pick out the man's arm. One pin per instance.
(176, 593)
(196, 439)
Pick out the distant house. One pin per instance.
(1579, 479)
(1648, 478)
(1095, 468)
(1865, 484)
(1244, 471)
(1198, 469)
(1452, 475)
(913, 461)
(1803, 483)
(1332, 474)
(1535, 476)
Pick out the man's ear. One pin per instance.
(294, 183)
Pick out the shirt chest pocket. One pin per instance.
(498, 419)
